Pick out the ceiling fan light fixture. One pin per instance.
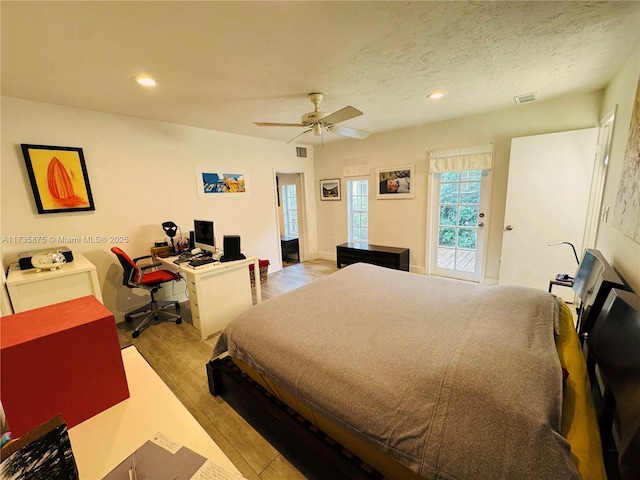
(145, 81)
(316, 121)
(436, 95)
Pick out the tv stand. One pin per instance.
(390, 257)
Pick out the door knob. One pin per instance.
(508, 228)
(481, 224)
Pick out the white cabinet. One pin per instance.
(29, 289)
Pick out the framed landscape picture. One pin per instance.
(395, 183)
(58, 177)
(330, 189)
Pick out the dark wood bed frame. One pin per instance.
(610, 325)
(313, 452)
(614, 372)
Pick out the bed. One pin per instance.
(377, 373)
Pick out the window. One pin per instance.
(358, 205)
(290, 209)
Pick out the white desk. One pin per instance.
(100, 443)
(218, 292)
(29, 289)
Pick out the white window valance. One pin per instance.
(360, 169)
(463, 158)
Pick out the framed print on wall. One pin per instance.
(58, 177)
(213, 183)
(395, 182)
(330, 189)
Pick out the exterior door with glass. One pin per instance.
(460, 210)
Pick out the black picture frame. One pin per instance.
(58, 177)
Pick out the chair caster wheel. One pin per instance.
(128, 319)
(135, 334)
(178, 321)
(177, 307)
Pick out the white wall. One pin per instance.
(143, 173)
(619, 249)
(402, 223)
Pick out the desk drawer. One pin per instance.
(192, 290)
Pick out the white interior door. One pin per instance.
(547, 200)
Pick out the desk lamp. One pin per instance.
(564, 277)
(170, 229)
(572, 247)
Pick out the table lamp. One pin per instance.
(170, 229)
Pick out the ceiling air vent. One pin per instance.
(301, 152)
(527, 97)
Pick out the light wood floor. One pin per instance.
(178, 355)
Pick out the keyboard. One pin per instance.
(199, 262)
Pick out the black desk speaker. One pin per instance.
(231, 249)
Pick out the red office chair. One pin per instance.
(139, 276)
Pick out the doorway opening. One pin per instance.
(291, 222)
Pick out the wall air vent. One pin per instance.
(527, 97)
(301, 152)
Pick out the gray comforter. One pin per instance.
(452, 379)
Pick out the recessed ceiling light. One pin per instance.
(435, 95)
(145, 80)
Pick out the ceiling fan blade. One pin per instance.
(299, 135)
(348, 132)
(341, 115)
(270, 124)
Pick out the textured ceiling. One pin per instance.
(224, 65)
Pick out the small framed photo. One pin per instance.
(395, 183)
(330, 189)
(59, 178)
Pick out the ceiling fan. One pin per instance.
(319, 121)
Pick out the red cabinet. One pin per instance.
(63, 358)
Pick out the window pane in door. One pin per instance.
(470, 193)
(450, 176)
(469, 175)
(467, 238)
(448, 215)
(446, 258)
(447, 237)
(468, 216)
(449, 193)
(465, 260)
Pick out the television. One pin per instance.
(203, 235)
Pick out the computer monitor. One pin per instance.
(203, 235)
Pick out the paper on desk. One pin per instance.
(162, 458)
(165, 442)
(212, 471)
